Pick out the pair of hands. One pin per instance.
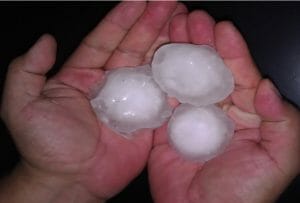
(68, 156)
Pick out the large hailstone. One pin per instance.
(200, 133)
(194, 74)
(130, 100)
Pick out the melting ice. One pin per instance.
(200, 133)
(194, 74)
(135, 98)
(130, 100)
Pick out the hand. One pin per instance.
(63, 145)
(263, 156)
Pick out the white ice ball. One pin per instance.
(200, 133)
(130, 100)
(194, 74)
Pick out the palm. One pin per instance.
(228, 178)
(262, 151)
(79, 143)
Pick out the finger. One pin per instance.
(26, 75)
(201, 28)
(233, 49)
(162, 39)
(280, 127)
(98, 46)
(269, 104)
(164, 35)
(132, 49)
(161, 135)
(242, 119)
(82, 71)
(178, 29)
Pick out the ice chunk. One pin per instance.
(200, 133)
(194, 74)
(130, 100)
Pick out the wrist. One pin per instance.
(27, 184)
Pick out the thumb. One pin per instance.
(26, 75)
(268, 102)
(270, 106)
(280, 126)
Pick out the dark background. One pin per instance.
(271, 29)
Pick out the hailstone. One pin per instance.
(194, 74)
(200, 133)
(130, 100)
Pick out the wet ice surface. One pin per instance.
(200, 133)
(194, 74)
(130, 100)
(135, 98)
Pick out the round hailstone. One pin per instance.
(200, 133)
(194, 74)
(130, 100)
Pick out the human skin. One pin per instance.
(67, 154)
(263, 156)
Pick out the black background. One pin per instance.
(271, 29)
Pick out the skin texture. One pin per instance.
(262, 158)
(68, 156)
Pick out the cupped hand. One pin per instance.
(262, 157)
(51, 120)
